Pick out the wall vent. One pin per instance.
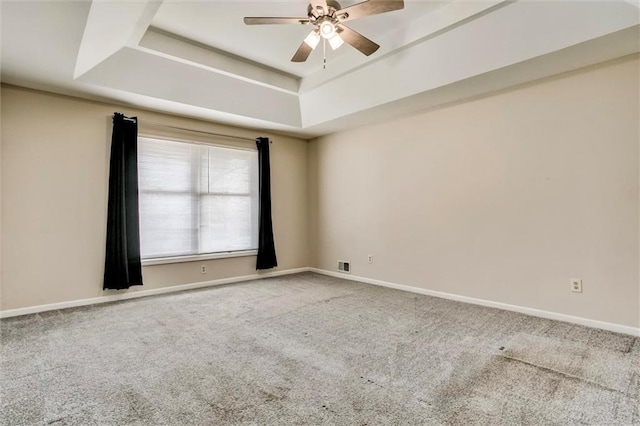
(344, 267)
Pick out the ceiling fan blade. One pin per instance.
(357, 40)
(267, 21)
(302, 53)
(369, 7)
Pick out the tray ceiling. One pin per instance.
(199, 59)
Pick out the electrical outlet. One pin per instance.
(370, 258)
(576, 285)
(203, 269)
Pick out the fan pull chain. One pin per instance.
(324, 53)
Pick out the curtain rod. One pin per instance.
(151, 123)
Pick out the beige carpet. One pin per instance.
(309, 349)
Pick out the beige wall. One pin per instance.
(1, 292)
(504, 198)
(54, 192)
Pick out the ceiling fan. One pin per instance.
(327, 16)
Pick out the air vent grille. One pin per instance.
(344, 267)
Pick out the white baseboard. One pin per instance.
(618, 328)
(144, 293)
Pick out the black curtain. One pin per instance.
(266, 248)
(122, 267)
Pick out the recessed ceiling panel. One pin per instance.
(220, 25)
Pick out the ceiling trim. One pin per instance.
(181, 49)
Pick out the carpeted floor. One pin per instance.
(309, 349)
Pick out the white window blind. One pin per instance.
(196, 198)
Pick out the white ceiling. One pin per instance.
(219, 25)
(197, 58)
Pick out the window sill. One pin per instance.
(198, 257)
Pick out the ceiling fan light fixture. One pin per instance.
(336, 41)
(327, 29)
(312, 39)
(327, 18)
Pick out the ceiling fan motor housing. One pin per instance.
(317, 14)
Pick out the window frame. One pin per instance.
(203, 256)
(198, 257)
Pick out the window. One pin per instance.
(196, 199)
